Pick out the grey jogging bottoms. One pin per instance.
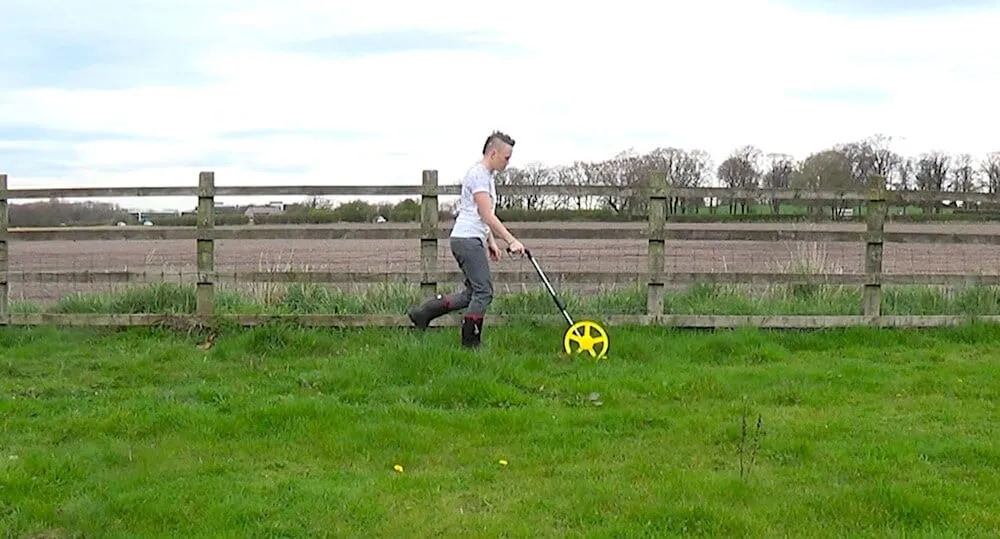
(473, 260)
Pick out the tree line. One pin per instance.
(56, 212)
(845, 166)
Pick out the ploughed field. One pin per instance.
(174, 260)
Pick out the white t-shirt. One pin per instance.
(468, 223)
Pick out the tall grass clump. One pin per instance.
(706, 298)
(154, 298)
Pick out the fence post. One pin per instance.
(4, 254)
(876, 209)
(206, 244)
(429, 233)
(656, 232)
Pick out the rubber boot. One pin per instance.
(432, 308)
(472, 330)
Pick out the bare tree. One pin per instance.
(778, 175)
(318, 203)
(991, 172)
(861, 158)
(963, 174)
(827, 170)
(903, 178)
(623, 171)
(534, 177)
(512, 176)
(932, 174)
(741, 170)
(569, 198)
(683, 168)
(884, 159)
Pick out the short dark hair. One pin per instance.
(494, 138)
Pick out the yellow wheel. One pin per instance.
(588, 336)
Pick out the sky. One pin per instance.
(311, 92)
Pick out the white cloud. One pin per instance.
(580, 83)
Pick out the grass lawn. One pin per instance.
(286, 432)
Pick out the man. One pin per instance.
(473, 243)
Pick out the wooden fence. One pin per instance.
(875, 199)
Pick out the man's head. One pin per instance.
(497, 151)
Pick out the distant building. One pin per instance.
(221, 209)
(275, 208)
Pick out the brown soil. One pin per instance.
(176, 259)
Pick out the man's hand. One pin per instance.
(494, 251)
(515, 247)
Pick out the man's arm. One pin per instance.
(479, 184)
(497, 228)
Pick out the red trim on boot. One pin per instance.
(473, 316)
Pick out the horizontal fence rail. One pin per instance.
(406, 231)
(805, 196)
(656, 232)
(503, 277)
(706, 321)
